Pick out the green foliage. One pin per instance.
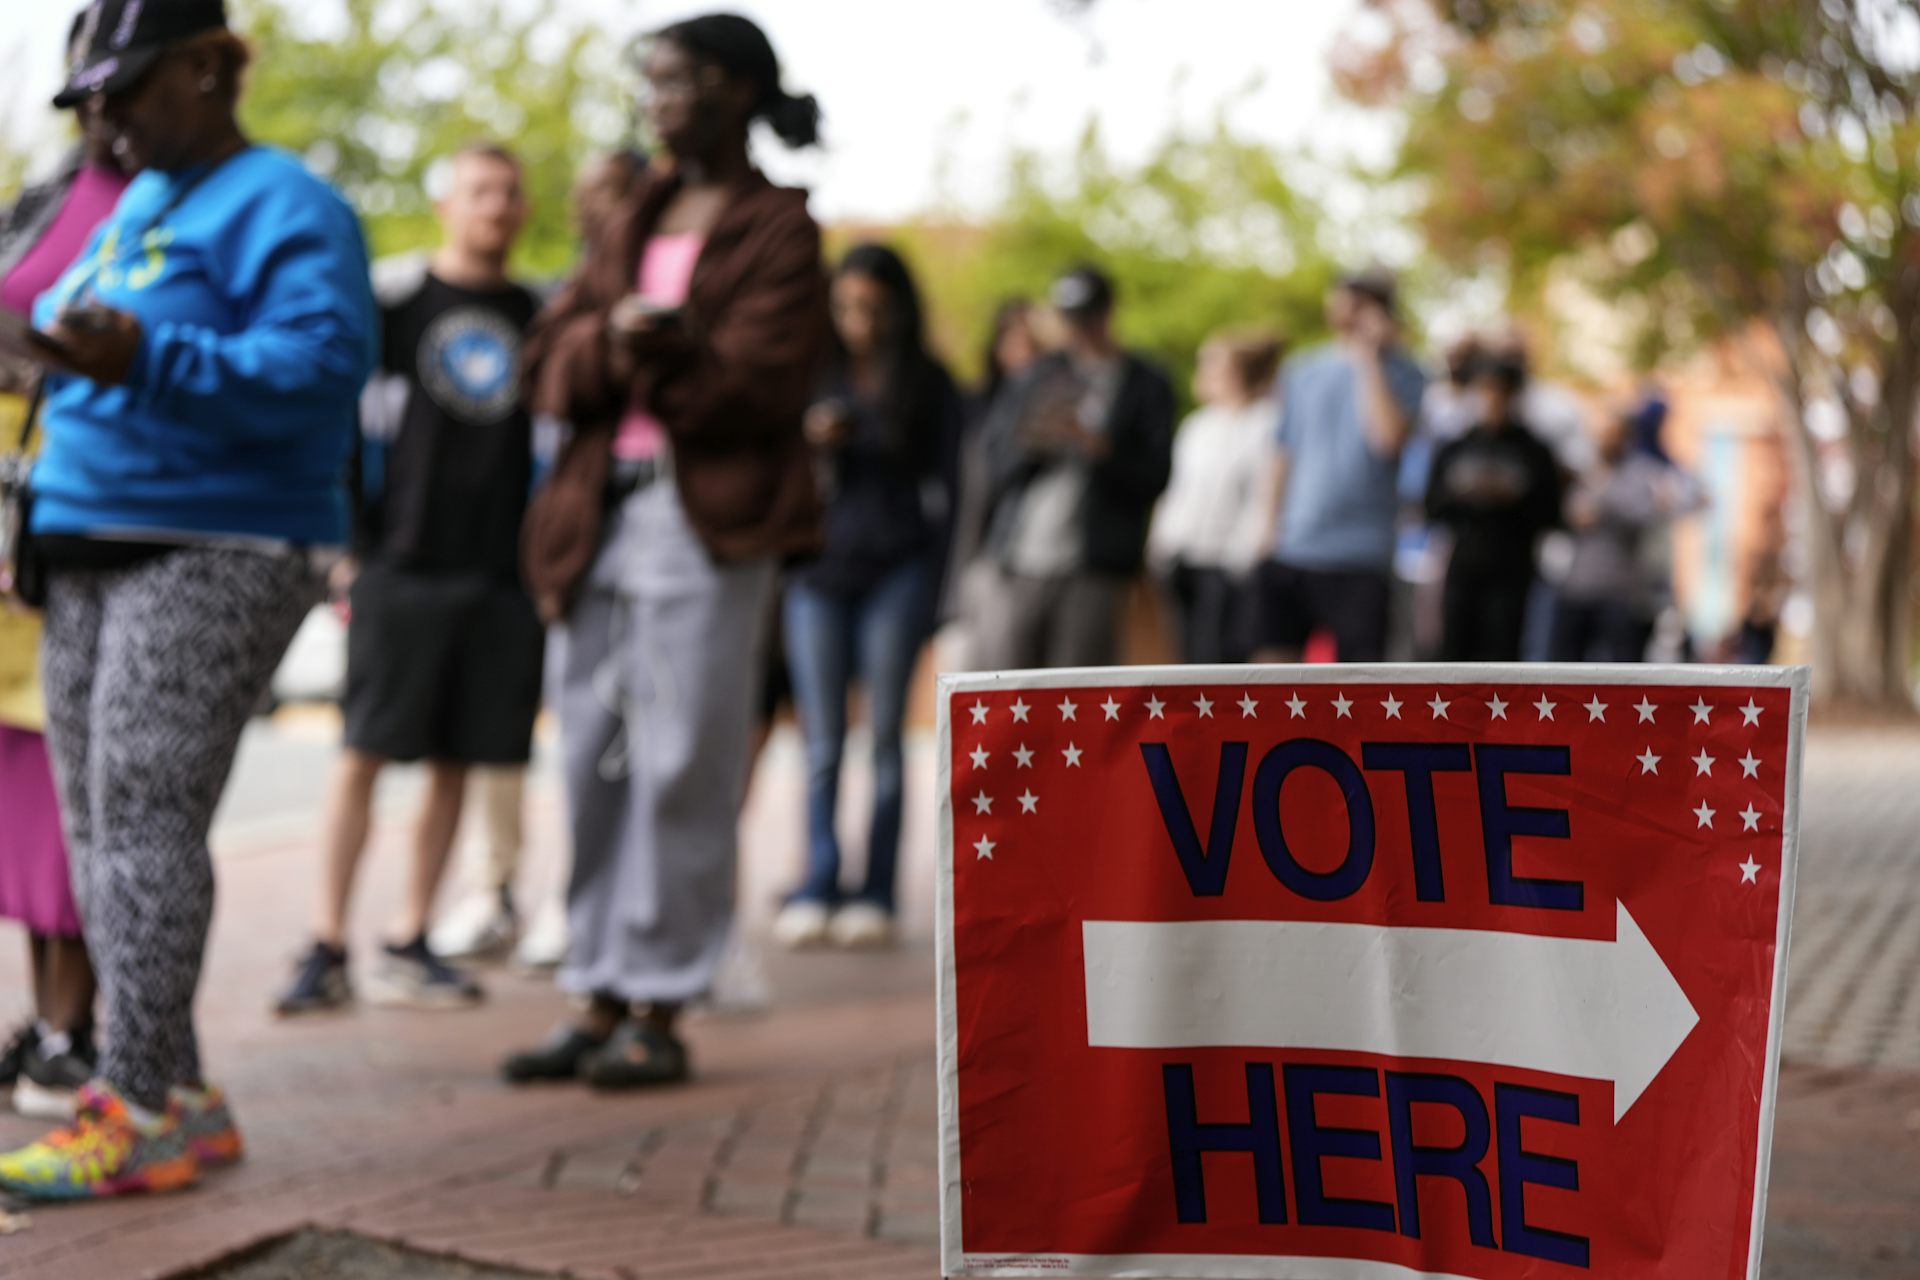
(1208, 234)
(406, 82)
(1725, 168)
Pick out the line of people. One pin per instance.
(599, 496)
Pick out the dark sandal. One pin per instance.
(562, 1056)
(638, 1056)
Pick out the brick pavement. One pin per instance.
(807, 1148)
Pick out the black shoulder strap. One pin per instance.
(33, 413)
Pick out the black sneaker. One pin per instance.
(14, 1056)
(54, 1069)
(561, 1056)
(412, 977)
(319, 983)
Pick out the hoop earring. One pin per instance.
(209, 84)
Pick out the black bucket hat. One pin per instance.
(119, 41)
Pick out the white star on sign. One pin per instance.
(1703, 765)
(1343, 707)
(1067, 709)
(984, 848)
(1392, 707)
(1248, 706)
(1596, 710)
(1649, 762)
(1498, 707)
(1297, 705)
(1156, 708)
(1645, 708)
(1020, 710)
(980, 757)
(1029, 803)
(1204, 705)
(982, 803)
(1023, 757)
(1702, 713)
(1750, 765)
(1111, 707)
(1751, 712)
(1751, 817)
(1439, 707)
(1749, 871)
(1073, 754)
(1704, 814)
(979, 710)
(1544, 707)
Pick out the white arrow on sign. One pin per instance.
(1568, 1006)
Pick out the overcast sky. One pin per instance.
(904, 82)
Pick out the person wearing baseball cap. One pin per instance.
(1078, 449)
(206, 357)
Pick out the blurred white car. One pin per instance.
(315, 668)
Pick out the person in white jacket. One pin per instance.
(1212, 525)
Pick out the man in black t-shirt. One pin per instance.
(443, 646)
(1498, 489)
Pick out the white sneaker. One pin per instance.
(800, 925)
(740, 987)
(481, 926)
(861, 926)
(544, 946)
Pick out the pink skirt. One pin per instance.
(35, 887)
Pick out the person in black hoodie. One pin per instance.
(1078, 449)
(886, 435)
(1497, 487)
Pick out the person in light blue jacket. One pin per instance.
(212, 343)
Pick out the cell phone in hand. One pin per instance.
(638, 313)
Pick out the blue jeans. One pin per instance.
(831, 638)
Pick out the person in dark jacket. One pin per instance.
(1497, 487)
(1078, 449)
(684, 355)
(886, 432)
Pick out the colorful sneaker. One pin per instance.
(104, 1152)
(208, 1123)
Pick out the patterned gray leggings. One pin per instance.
(150, 675)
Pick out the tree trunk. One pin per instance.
(1859, 568)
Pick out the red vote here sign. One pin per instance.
(1363, 973)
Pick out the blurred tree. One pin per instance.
(1733, 169)
(1208, 234)
(374, 100)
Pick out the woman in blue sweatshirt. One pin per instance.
(214, 340)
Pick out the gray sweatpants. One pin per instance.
(150, 675)
(655, 674)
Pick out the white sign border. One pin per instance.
(953, 1259)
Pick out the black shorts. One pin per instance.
(442, 667)
(1349, 604)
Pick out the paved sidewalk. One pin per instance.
(806, 1150)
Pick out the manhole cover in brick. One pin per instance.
(335, 1255)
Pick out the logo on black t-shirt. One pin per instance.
(469, 361)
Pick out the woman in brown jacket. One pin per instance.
(683, 356)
